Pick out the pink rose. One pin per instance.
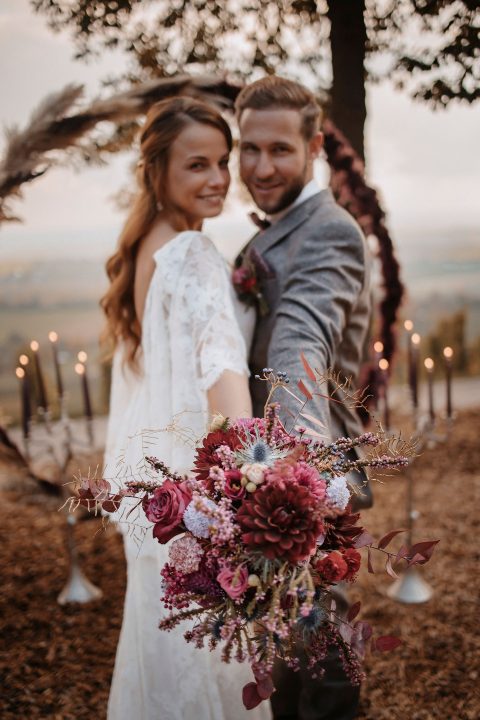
(166, 509)
(239, 275)
(234, 582)
(232, 487)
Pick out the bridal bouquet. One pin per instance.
(261, 533)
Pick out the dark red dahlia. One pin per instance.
(342, 531)
(281, 522)
(205, 456)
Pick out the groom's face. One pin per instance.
(276, 161)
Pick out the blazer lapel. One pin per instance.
(271, 236)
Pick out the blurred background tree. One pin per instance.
(428, 48)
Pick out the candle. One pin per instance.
(376, 380)
(41, 394)
(384, 365)
(53, 337)
(415, 343)
(448, 355)
(429, 365)
(25, 400)
(408, 325)
(81, 370)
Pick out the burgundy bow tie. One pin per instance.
(261, 224)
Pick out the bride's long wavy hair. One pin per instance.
(164, 122)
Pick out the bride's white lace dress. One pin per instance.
(190, 334)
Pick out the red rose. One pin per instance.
(166, 509)
(232, 487)
(332, 568)
(353, 559)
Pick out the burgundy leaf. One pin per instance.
(417, 559)
(402, 553)
(250, 696)
(363, 540)
(383, 542)
(389, 568)
(387, 643)
(369, 564)
(312, 419)
(265, 687)
(353, 611)
(424, 549)
(304, 390)
(307, 367)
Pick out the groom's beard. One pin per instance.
(289, 195)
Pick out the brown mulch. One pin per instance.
(56, 662)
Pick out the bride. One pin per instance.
(179, 357)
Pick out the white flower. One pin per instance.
(254, 472)
(198, 522)
(338, 493)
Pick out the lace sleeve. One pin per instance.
(205, 294)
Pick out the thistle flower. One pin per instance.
(256, 450)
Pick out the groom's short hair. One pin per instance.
(273, 92)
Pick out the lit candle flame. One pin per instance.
(383, 364)
(23, 360)
(82, 356)
(52, 336)
(408, 325)
(20, 372)
(79, 369)
(34, 345)
(448, 352)
(416, 339)
(378, 347)
(428, 362)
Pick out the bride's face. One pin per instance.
(197, 176)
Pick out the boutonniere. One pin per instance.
(250, 271)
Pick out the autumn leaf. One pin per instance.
(307, 367)
(387, 643)
(304, 390)
(384, 541)
(353, 611)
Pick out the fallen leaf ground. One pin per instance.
(56, 662)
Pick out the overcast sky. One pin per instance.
(425, 164)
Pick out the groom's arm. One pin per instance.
(324, 283)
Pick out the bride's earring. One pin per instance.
(159, 206)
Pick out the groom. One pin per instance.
(318, 300)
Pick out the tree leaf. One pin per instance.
(250, 696)
(312, 419)
(424, 550)
(387, 643)
(389, 568)
(304, 390)
(265, 687)
(363, 540)
(384, 541)
(369, 564)
(353, 611)
(308, 368)
(402, 553)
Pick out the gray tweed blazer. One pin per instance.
(319, 304)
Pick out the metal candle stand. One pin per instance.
(77, 588)
(410, 587)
